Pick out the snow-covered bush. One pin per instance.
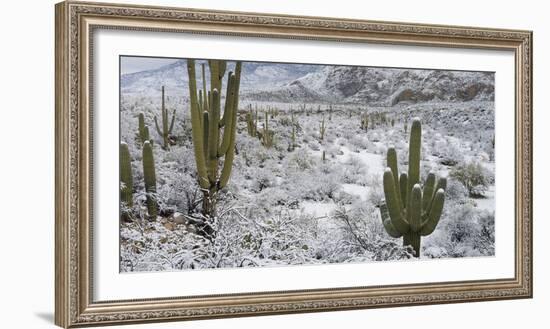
(354, 171)
(473, 176)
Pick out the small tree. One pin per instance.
(472, 176)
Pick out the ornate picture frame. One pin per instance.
(76, 22)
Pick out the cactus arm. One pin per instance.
(200, 101)
(416, 208)
(215, 81)
(392, 201)
(222, 66)
(196, 127)
(386, 221)
(434, 214)
(172, 122)
(158, 127)
(228, 116)
(205, 132)
(441, 184)
(230, 154)
(213, 136)
(205, 97)
(403, 179)
(228, 94)
(428, 192)
(392, 164)
(414, 154)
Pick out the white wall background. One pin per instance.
(27, 162)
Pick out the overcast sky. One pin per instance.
(138, 64)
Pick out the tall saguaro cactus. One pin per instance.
(167, 128)
(206, 128)
(126, 179)
(322, 129)
(150, 179)
(410, 210)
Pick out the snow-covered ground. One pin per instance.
(286, 207)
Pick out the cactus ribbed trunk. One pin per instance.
(412, 239)
(126, 175)
(150, 178)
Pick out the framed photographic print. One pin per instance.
(215, 164)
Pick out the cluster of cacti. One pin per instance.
(126, 179)
(322, 129)
(143, 129)
(411, 211)
(364, 121)
(252, 122)
(206, 124)
(150, 178)
(267, 135)
(167, 127)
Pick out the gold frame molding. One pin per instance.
(75, 22)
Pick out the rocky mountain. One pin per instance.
(279, 82)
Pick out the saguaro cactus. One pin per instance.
(150, 179)
(411, 211)
(126, 179)
(206, 127)
(322, 129)
(167, 128)
(143, 130)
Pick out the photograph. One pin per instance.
(233, 164)
(227, 162)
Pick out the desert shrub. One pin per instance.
(344, 198)
(449, 153)
(320, 188)
(455, 190)
(362, 232)
(300, 161)
(354, 171)
(358, 143)
(473, 176)
(262, 179)
(465, 231)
